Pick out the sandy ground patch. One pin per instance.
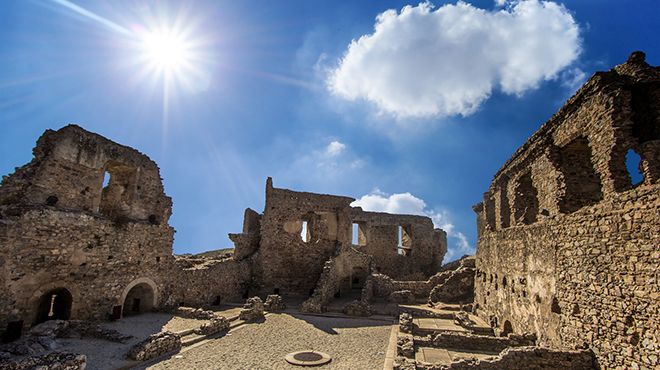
(352, 343)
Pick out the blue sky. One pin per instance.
(416, 116)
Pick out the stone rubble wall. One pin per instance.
(156, 345)
(51, 361)
(215, 325)
(467, 341)
(253, 310)
(337, 276)
(529, 358)
(274, 303)
(568, 245)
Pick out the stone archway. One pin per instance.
(55, 304)
(140, 296)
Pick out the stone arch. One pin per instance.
(69, 292)
(144, 290)
(507, 328)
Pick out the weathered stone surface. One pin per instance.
(253, 310)
(568, 245)
(274, 303)
(402, 296)
(51, 361)
(406, 323)
(215, 325)
(156, 345)
(358, 308)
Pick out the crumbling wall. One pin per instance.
(338, 278)
(301, 231)
(203, 282)
(404, 247)
(63, 234)
(576, 261)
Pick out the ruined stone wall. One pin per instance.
(421, 255)
(204, 283)
(568, 245)
(286, 263)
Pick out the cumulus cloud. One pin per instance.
(406, 203)
(427, 62)
(335, 148)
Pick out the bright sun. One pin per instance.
(166, 51)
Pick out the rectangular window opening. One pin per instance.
(304, 232)
(404, 240)
(358, 234)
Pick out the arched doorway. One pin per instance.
(507, 328)
(139, 299)
(54, 305)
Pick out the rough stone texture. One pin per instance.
(215, 325)
(274, 303)
(529, 358)
(382, 286)
(458, 287)
(156, 345)
(406, 323)
(405, 346)
(194, 313)
(51, 361)
(475, 342)
(568, 246)
(286, 262)
(358, 308)
(253, 310)
(402, 296)
(338, 277)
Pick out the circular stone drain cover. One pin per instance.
(307, 358)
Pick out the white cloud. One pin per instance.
(335, 148)
(426, 62)
(406, 203)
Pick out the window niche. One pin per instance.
(404, 240)
(526, 203)
(634, 167)
(582, 183)
(359, 234)
(118, 189)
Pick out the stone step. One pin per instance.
(192, 339)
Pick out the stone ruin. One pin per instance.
(84, 234)
(568, 245)
(565, 274)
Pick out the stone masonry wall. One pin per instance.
(568, 244)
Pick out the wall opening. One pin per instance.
(118, 189)
(54, 305)
(507, 328)
(505, 210)
(554, 306)
(526, 203)
(304, 232)
(139, 299)
(404, 240)
(582, 184)
(358, 234)
(633, 165)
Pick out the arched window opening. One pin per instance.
(54, 305)
(633, 165)
(139, 299)
(582, 183)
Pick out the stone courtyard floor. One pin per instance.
(352, 344)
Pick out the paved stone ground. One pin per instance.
(104, 355)
(352, 343)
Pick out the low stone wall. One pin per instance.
(358, 308)
(51, 361)
(405, 345)
(459, 286)
(156, 345)
(274, 303)
(528, 358)
(406, 323)
(476, 342)
(215, 325)
(253, 310)
(402, 296)
(194, 313)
